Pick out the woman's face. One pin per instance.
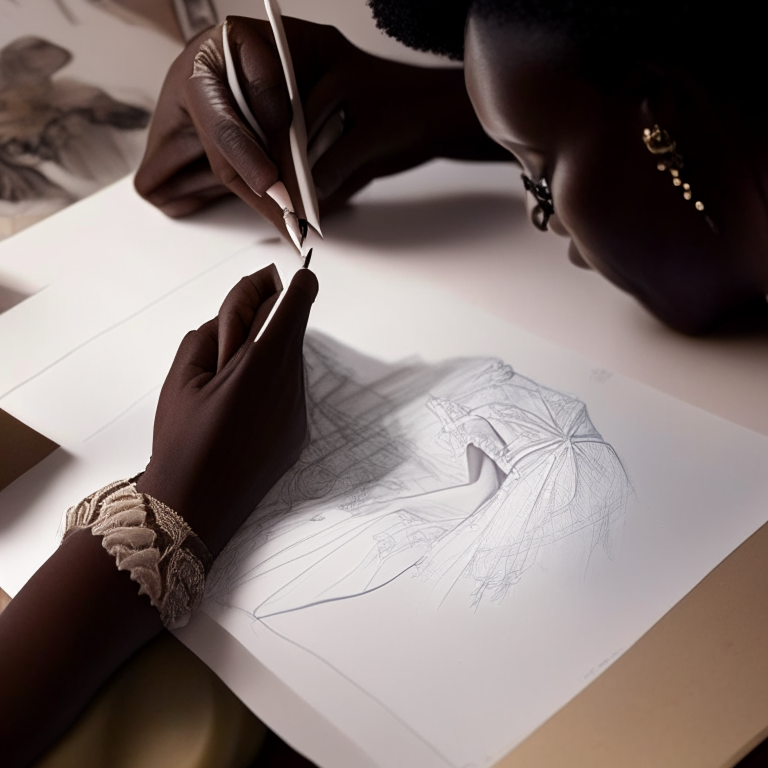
(623, 216)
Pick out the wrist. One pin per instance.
(160, 485)
(154, 543)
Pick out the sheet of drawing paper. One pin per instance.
(481, 523)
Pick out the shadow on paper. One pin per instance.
(458, 474)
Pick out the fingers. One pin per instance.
(204, 352)
(248, 146)
(331, 131)
(195, 361)
(329, 95)
(201, 142)
(350, 158)
(244, 310)
(287, 327)
(352, 147)
(185, 192)
(172, 143)
(232, 149)
(260, 73)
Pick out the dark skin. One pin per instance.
(200, 148)
(625, 218)
(534, 96)
(230, 421)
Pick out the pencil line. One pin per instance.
(432, 748)
(126, 319)
(367, 591)
(122, 413)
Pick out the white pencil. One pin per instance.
(298, 141)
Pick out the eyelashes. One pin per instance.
(543, 195)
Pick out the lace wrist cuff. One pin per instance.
(147, 538)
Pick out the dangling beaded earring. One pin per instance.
(660, 143)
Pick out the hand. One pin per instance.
(230, 421)
(231, 417)
(394, 117)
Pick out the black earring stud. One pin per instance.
(544, 208)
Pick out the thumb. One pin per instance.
(290, 320)
(243, 308)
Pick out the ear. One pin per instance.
(652, 90)
(671, 97)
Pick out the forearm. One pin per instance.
(230, 435)
(71, 626)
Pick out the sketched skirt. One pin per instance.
(457, 474)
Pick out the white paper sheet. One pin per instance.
(387, 677)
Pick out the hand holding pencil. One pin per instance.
(365, 117)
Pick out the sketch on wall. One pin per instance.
(194, 16)
(457, 474)
(59, 137)
(74, 103)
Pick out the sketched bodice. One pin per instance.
(558, 479)
(524, 466)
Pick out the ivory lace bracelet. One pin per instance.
(167, 560)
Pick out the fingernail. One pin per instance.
(292, 225)
(280, 195)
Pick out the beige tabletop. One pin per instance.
(688, 692)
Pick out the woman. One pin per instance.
(676, 216)
(569, 90)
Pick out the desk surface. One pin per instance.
(469, 245)
(526, 278)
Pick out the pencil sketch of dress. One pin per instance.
(455, 474)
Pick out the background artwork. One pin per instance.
(179, 19)
(458, 474)
(59, 137)
(194, 16)
(78, 81)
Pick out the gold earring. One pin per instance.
(660, 143)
